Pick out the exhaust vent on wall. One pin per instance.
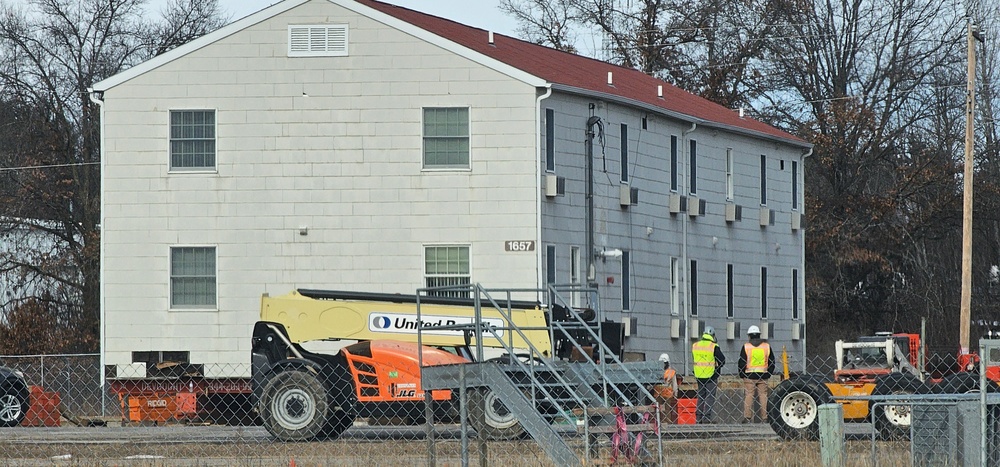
(627, 195)
(796, 221)
(677, 203)
(554, 186)
(697, 327)
(766, 330)
(676, 328)
(732, 330)
(734, 212)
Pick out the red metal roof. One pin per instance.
(576, 71)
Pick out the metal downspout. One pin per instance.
(538, 192)
(802, 253)
(97, 97)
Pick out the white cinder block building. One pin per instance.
(355, 145)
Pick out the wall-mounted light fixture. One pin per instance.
(605, 253)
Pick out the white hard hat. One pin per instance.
(664, 358)
(753, 330)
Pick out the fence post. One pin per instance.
(831, 435)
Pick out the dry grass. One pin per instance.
(448, 453)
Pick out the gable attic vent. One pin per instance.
(320, 40)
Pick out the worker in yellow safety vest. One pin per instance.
(756, 365)
(708, 360)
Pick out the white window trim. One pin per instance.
(626, 274)
(625, 176)
(795, 187)
(170, 282)
(193, 170)
(764, 309)
(423, 258)
(762, 184)
(575, 274)
(795, 279)
(423, 163)
(319, 53)
(730, 175)
(692, 160)
(674, 161)
(675, 292)
(553, 261)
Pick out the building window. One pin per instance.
(192, 277)
(574, 274)
(550, 264)
(795, 185)
(673, 163)
(624, 153)
(192, 139)
(446, 138)
(320, 40)
(626, 281)
(730, 292)
(763, 293)
(694, 287)
(675, 291)
(763, 180)
(447, 266)
(729, 175)
(795, 294)
(550, 140)
(694, 167)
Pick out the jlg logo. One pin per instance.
(403, 390)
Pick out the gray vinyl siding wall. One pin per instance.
(652, 235)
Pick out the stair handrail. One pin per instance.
(479, 327)
(604, 350)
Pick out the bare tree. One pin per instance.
(864, 80)
(51, 51)
(709, 47)
(549, 23)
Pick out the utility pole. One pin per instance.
(970, 92)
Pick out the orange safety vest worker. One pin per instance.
(703, 353)
(668, 382)
(756, 357)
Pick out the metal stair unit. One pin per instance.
(554, 399)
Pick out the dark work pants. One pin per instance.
(706, 400)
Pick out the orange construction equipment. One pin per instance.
(43, 409)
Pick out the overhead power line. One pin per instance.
(53, 166)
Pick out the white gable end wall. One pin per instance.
(332, 144)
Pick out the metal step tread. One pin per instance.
(627, 409)
(614, 428)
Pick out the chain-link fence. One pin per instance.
(483, 414)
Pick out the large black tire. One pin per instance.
(491, 418)
(892, 421)
(962, 383)
(793, 408)
(338, 422)
(294, 406)
(13, 403)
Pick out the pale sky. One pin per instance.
(482, 14)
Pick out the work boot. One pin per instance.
(745, 421)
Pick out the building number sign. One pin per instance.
(519, 245)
